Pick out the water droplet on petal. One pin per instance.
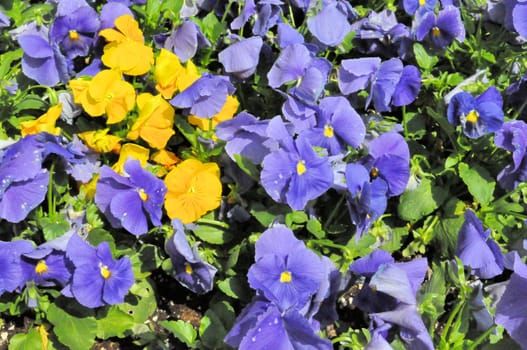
(275, 320)
(259, 329)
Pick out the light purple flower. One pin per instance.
(330, 26)
(12, 275)
(241, 58)
(440, 30)
(185, 41)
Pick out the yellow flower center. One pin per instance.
(422, 2)
(41, 267)
(374, 172)
(188, 269)
(143, 195)
(74, 35)
(300, 167)
(328, 131)
(472, 116)
(109, 97)
(285, 277)
(436, 31)
(105, 273)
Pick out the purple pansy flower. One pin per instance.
(286, 272)
(440, 30)
(189, 267)
(241, 58)
(12, 275)
(111, 11)
(302, 115)
(388, 159)
(206, 96)
(297, 63)
(511, 308)
(420, 6)
(287, 35)
(513, 137)
(477, 116)
(46, 267)
(98, 279)
(476, 249)
(338, 126)
(265, 12)
(246, 136)
(294, 174)
(73, 28)
(185, 40)
(128, 201)
(42, 61)
(329, 26)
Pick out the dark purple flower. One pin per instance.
(241, 58)
(128, 201)
(476, 249)
(206, 96)
(75, 29)
(338, 126)
(477, 116)
(12, 275)
(368, 198)
(42, 61)
(285, 271)
(440, 30)
(329, 26)
(98, 279)
(46, 267)
(294, 174)
(388, 159)
(513, 137)
(381, 34)
(185, 41)
(246, 136)
(511, 309)
(189, 267)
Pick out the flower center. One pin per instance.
(41, 267)
(300, 167)
(472, 116)
(73, 35)
(105, 273)
(285, 277)
(436, 31)
(374, 172)
(328, 131)
(188, 269)
(143, 195)
(422, 2)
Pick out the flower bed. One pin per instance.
(258, 174)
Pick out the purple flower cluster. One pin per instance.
(295, 292)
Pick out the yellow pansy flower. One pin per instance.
(126, 50)
(165, 158)
(100, 141)
(227, 112)
(106, 93)
(134, 151)
(194, 188)
(171, 76)
(44, 123)
(155, 124)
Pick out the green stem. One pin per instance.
(482, 338)
(334, 212)
(227, 10)
(451, 318)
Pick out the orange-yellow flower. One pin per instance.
(44, 123)
(106, 93)
(194, 188)
(165, 158)
(155, 124)
(131, 150)
(171, 76)
(126, 50)
(227, 112)
(100, 141)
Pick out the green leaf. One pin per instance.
(113, 323)
(53, 226)
(424, 60)
(234, 287)
(145, 261)
(211, 27)
(315, 228)
(212, 231)
(183, 331)
(215, 324)
(248, 167)
(479, 182)
(74, 332)
(140, 303)
(295, 219)
(26, 341)
(98, 235)
(31, 102)
(415, 204)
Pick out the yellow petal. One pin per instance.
(44, 123)
(131, 150)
